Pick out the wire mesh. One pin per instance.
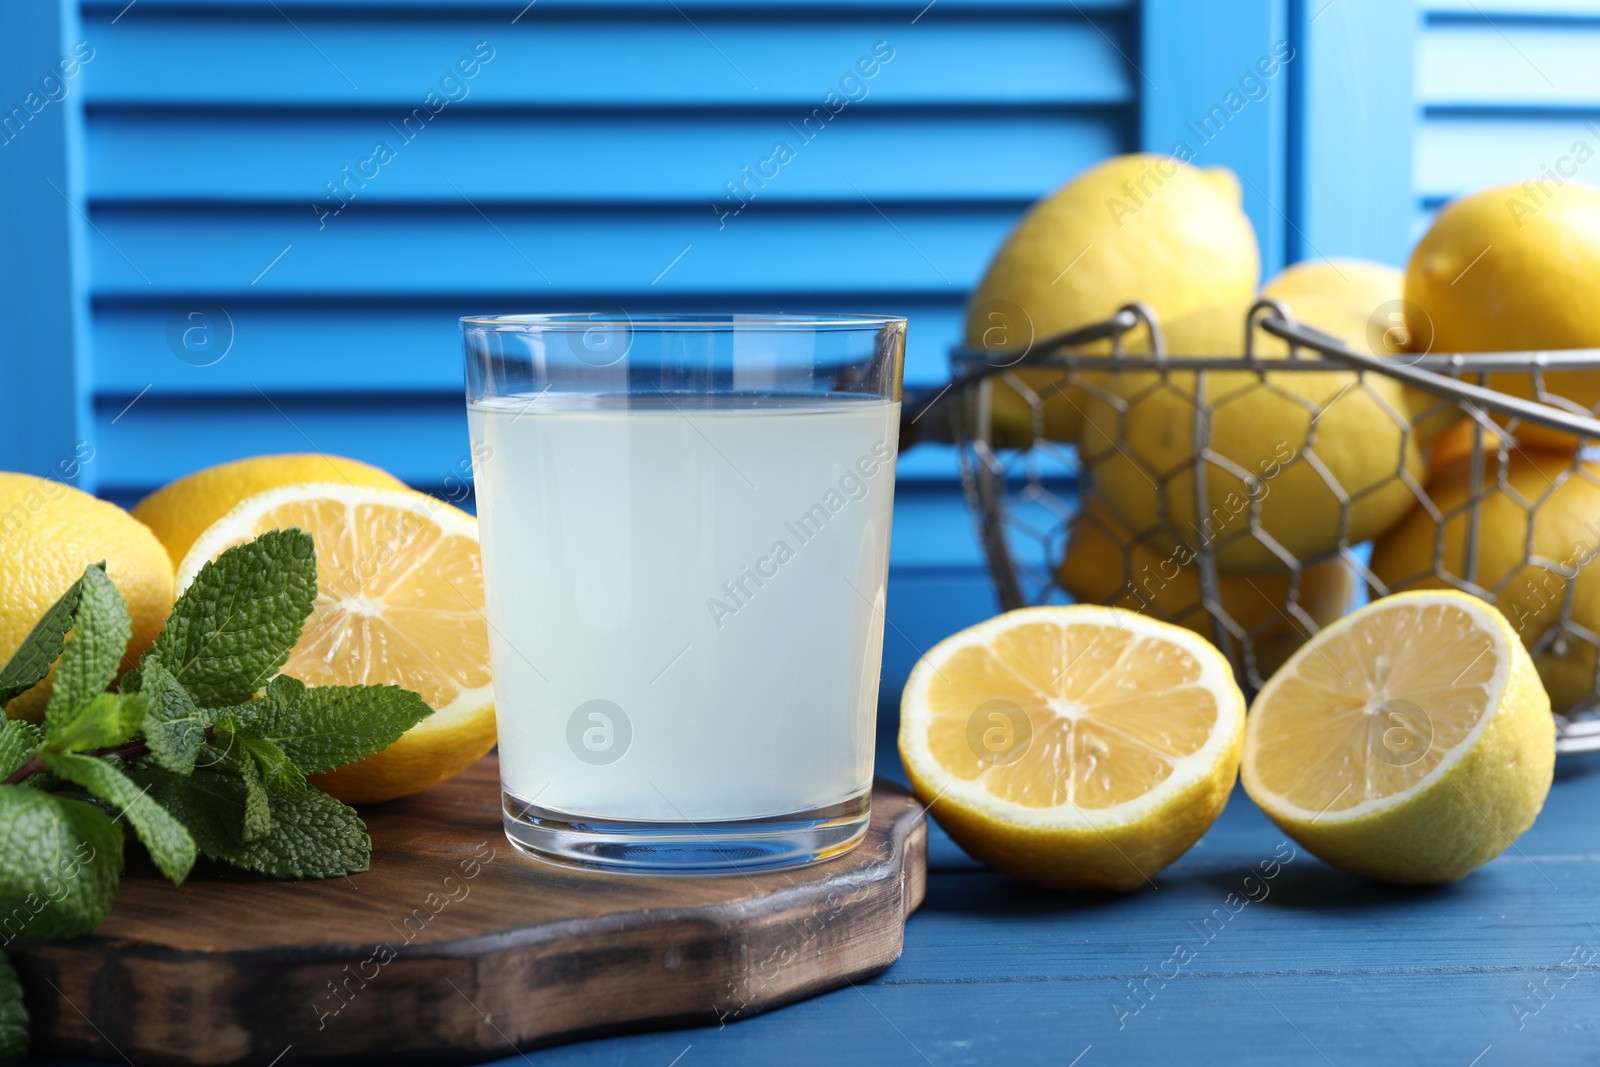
(1256, 499)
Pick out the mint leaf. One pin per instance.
(109, 719)
(313, 835)
(166, 839)
(257, 821)
(13, 1017)
(277, 773)
(228, 754)
(31, 661)
(18, 739)
(174, 727)
(101, 629)
(330, 725)
(235, 626)
(61, 858)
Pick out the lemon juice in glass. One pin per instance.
(685, 525)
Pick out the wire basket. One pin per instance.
(1255, 592)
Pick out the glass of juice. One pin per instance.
(685, 527)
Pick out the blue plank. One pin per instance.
(1476, 60)
(43, 306)
(1206, 100)
(1319, 964)
(1350, 173)
(1271, 1018)
(1457, 152)
(510, 8)
(890, 154)
(413, 347)
(795, 253)
(146, 441)
(656, 59)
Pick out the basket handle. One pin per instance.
(1280, 325)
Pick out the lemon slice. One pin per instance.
(399, 602)
(1410, 741)
(1080, 747)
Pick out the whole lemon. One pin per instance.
(180, 511)
(1538, 540)
(1104, 564)
(49, 532)
(1294, 461)
(1374, 292)
(1361, 285)
(1515, 268)
(1457, 443)
(1133, 227)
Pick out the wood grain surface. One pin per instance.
(454, 947)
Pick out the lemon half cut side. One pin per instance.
(1079, 747)
(399, 602)
(1411, 741)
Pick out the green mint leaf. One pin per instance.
(13, 1017)
(328, 726)
(18, 739)
(101, 629)
(166, 839)
(313, 835)
(174, 727)
(235, 626)
(59, 864)
(277, 773)
(31, 661)
(109, 719)
(257, 822)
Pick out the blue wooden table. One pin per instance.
(1249, 951)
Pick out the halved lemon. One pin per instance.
(1079, 747)
(1410, 741)
(399, 602)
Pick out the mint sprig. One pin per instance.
(203, 750)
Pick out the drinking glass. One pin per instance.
(685, 527)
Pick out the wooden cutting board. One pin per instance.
(454, 947)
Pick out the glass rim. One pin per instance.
(797, 322)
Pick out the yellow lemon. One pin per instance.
(1538, 537)
(1360, 285)
(1294, 461)
(1104, 564)
(1515, 268)
(1133, 227)
(1456, 443)
(1411, 741)
(1375, 293)
(49, 532)
(1078, 747)
(399, 602)
(182, 510)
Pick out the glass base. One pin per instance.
(775, 842)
